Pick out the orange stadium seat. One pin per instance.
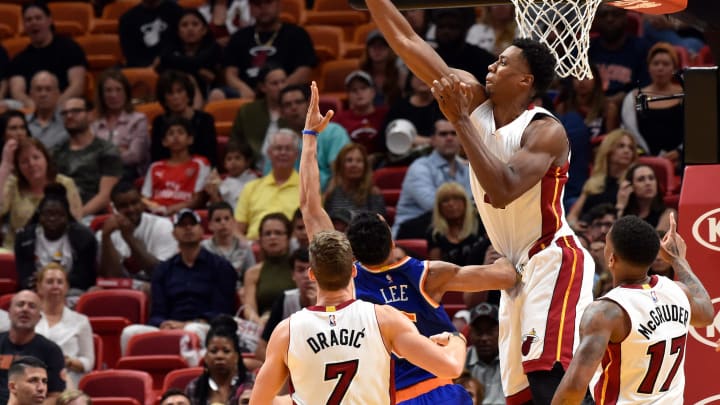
(333, 74)
(327, 40)
(224, 112)
(119, 383)
(10, 20)
(181, 378)
(102, 50)
(338, 13)
(293, 11)
(108, 21)
(71, 18)
(15, 45)
(151, 110)
(142, 82)
(356, 48)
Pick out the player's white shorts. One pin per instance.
(540, 317)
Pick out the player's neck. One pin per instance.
(332, 298)
(506, 113)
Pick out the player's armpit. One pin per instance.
(274, 371)
(603, 322)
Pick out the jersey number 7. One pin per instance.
(657, 355)
(346, 370)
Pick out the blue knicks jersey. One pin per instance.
(400, 286)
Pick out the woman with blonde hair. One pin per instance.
(454, 232)
(73, 397)
(68, 329)
(351, 186)
(615, 155)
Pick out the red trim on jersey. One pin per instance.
(560, 327)
(519, 398)
(551, 187)
(651, 284)
(607, 389)
(330, 308)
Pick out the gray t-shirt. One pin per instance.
(88, 165)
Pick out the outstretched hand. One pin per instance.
(672, 245)
(8, 151)
(453, 96)
(314, 120)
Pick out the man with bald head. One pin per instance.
(45, 122)
(21, 340)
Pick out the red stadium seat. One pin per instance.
(8, 273)
(115, 401)
(664, 172)
(415, 247)
(390, 212)
(98, 348)
(97, 223)
(181, 378)
(389, 177)
(109, 312)
(157, 366)
(390, 195)
(5, 301)
(119, 383)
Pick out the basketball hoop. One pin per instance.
(562, 25)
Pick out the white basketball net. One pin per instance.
(562, 25)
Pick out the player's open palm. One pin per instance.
(315, 121)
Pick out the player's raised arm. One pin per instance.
(417, 54)
(602, 322)
(443, 356)
(274, 371)
(314, 215)
(443, 277)
(672, 250)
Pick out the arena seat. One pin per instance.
(8, 273)
(333, 74)
(98, 349)
(181, 378)
(119, 383)
(664, 172)
(151, 110)
(356, 48)
(294, 9)
(337, 13)
(108, 21)
(102, 50)
(5, 301)
(224, 112)
(142, 82)
(415, 247)
(391, 196)
(15, 45)
(114, 401)
(157, 366)
(10, 20)
(71, 18)
(389, 177)
(327, 40)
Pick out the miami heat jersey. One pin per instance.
(168, 184)
(337, 356)
(401, 286)
(648, 366)
(535, 219)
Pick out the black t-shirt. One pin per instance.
(57, 58)
(457, 253)
(145, 31)
(4, 62)
(291, 48)
(422, 117)
(204, 140)
(39, 347)
(208, 57)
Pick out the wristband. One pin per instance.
(460, 335)
(309, 132)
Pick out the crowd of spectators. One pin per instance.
(211, 228)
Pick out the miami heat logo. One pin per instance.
(528, 340)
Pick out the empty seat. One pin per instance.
(142, 83)
(181, 378)
(98, 348)
(390, 195)
(71, 18)
(10, 20)
(389, 177)
(115, 401)
(224, 112)
(333, 74)
(294, 11)
(102, 50)
(414, 247)
(119, 383)
(108, 21)
(15, 45)
(327, 40)
(8, 273)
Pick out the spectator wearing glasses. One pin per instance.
(45, 122)
(278, 191)
(93, 163)
(424, 176)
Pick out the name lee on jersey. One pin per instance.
(662, 314)
(333, 337)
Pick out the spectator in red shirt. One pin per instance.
(363, 120)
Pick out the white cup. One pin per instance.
(399, 137)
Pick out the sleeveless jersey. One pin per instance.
(536, 218)
(337, 355)
(400, 286)
(648, 366)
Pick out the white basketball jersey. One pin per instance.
(337, 356)
(648, 366)
(536, 218)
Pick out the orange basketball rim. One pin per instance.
(651, 6)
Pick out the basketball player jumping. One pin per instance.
(519, 156)
(338, 351)
(637, 330)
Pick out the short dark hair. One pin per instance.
(303, 88)
(121, 187)
(370, 238)
(179, 121)
(167, 80)
(220, 205)
(42, 5)
(242, 148)
(635, 241)
(173, 392)
(277, 216)
(300, 254)
(297, 215)
(599, 211)
(19, 365)
(540, 60)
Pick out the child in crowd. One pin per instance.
(224, 242)
(176, 183)
(238, 162)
